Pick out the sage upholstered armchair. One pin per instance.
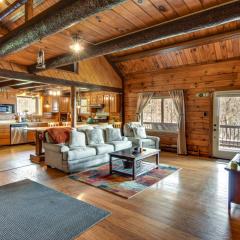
(136, 133)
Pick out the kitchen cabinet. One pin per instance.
(64, 104)
(55, 104)
(100, 99)
(50, 104)
(93, 99)
(31, 136)
(106, 103)
(114, 103)
(5, 134)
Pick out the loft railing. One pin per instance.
(229, 136)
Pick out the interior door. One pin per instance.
(226, 124)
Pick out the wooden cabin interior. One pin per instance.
(131, 107)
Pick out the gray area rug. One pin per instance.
(31, 211)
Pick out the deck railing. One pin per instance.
(229, 136)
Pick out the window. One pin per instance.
(160, 115)
(27, 104)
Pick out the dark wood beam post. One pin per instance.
(191, 23)
(59, 17)
(11, 8)
(28, 10)
(177, 47)
(22, 76)
(73, 107)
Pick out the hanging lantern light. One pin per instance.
(76, 45)
(41, 59)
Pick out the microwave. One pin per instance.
(7, 108)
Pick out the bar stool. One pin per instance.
(117, 124)
(66, 124)
(53, 124)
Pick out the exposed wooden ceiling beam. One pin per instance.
(56, 81)
(176, 47)
(188, 24)
(57, 18)
(29, 85)
(11, 8)
(8, 83)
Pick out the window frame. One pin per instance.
(162, 118)
(37, 104)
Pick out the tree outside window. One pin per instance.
(160, 115)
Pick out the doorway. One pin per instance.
(226, 124)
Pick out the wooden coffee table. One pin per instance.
(135, 159)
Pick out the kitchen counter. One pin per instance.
(5, 130)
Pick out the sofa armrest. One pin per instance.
(156, 139)
(136, 141)
(125, 139)
(60, 148)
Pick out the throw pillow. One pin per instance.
(140, 132)
(77, 139)
(95, 136)
(113, 134)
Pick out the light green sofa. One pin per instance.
(74, 159)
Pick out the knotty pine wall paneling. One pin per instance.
(194, 79)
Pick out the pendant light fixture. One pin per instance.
(41, 59)
(76, 45)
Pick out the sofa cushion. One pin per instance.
(81, 152)
(113, 134)
(77, 139)
(104, 126)
(83, 128)
(95, 136)
(103, 148)
(128, 128)
(139, 132)
(59, 148)
(120, 145)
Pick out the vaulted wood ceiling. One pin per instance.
(131, 16)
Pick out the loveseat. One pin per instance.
(87, 147)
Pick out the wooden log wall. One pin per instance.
(193, 79)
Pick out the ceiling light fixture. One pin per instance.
(54, 92)
(76, 45)
(41, 59)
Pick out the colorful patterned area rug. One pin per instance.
(121, 185)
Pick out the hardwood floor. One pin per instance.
(190, 204)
